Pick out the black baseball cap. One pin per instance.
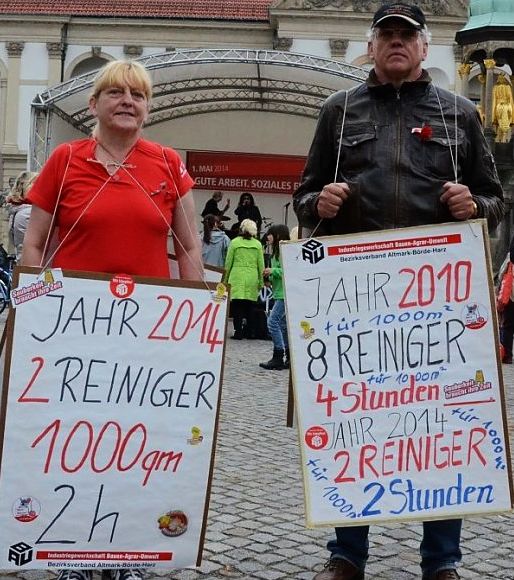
(408, 12)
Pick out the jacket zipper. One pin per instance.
(398, 148)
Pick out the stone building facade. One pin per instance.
(41, 47)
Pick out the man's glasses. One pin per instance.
(405, 34)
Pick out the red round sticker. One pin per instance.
(474, 316)
(26, 509)
(316, 437)
(122, 285)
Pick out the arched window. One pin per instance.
(87, 65)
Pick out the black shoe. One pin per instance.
(237, 336)
(276, 363)
(339, 569)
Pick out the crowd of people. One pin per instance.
(246, 209)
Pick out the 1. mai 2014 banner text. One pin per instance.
(252, 172)
(110, 421)
(397, 385)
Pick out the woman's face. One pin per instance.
(120, 109)
(269, 237)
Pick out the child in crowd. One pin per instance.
(277, 318)
(19, 209)
(214, 241)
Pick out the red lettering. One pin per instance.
(340, 478)
(387, 457)
(23, 398)
(345, 392)
(152, 335)
(473, 445)
(367, 455)
(445, 462)
(456, 448)
(329, 399)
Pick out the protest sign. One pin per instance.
(397, 384)
(110, 408)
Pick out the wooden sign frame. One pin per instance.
(110, 407)
(398, 388)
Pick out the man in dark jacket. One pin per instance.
(393, 152)
(211, 207)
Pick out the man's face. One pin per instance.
(397, 50)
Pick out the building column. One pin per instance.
(14, 50)
(54, 50)
(464, 70)
(282, 43)
(338, 48)
(489, 64)
(132, 50)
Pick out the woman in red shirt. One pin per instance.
(109, 201)
(113, 198)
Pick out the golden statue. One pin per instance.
(503, 109)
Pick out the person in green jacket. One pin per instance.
(244, 266)
(277, 318)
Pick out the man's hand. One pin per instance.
(331, 199)
(459, 200)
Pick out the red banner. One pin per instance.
(255, 173)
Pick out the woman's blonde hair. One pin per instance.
(248, 228)
(123, 73)
(21, 186)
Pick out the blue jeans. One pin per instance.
(440, 547)
(277, 325)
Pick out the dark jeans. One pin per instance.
(242, 310)
(440, 547)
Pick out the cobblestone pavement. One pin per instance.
(256, 522)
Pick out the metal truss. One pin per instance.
(182, 98)
(173, 99)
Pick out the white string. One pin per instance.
(453, 157)
(125, 167)
(456, 132)
(88, 205)
(54, 214)
(338, 156)
(180, 203)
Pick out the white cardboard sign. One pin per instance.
(397, 383)
(110, 420)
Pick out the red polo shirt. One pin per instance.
(114, 224)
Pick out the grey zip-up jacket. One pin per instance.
(395, 173)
